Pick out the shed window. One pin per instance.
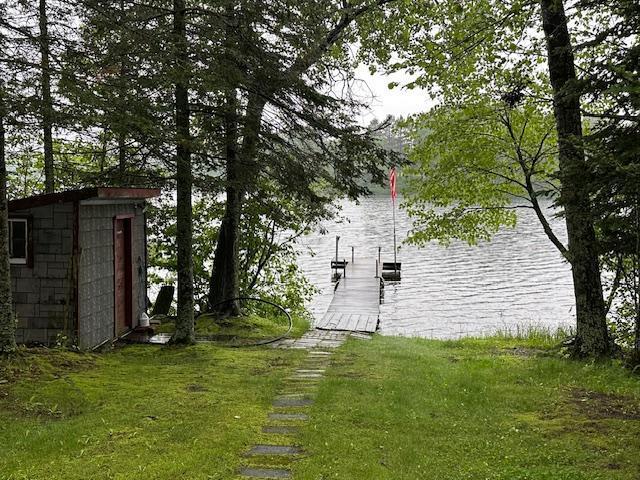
(18, 241)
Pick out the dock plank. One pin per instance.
(356, 300)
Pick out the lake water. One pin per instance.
(517, 279)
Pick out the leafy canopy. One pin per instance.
(470, 162)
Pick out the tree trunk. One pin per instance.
(7, 321)
(635, 281)
(592, 336)
(122, 156)
(47, 105)
(122, 96)
(225, 283)
(184, 236)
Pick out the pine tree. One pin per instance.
(275, 76)
(7, 319)
(46, 107)
(184, 177)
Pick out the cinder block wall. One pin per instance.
(43, 294)
(96, 285)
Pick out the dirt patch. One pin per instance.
(588, 427)
(195, 387)
(597, 405)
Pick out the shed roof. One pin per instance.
(106, 193)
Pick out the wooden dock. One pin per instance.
(356, 301)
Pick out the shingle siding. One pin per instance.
(96, 281)
(43, 294)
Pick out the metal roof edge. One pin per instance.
(82, 194)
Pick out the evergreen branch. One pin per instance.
(612, 116)
(302, 64)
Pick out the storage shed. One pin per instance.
(79, 264)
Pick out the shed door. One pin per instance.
(123, 274)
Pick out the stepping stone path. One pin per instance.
(314, 339)
(273, 450)
(265, 473)
(292, 402)
(288, 407)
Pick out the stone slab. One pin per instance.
(262, 450)
(264, 473)
(292, 402)
(314, 341)
(301, 382)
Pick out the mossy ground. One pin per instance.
(245, 329)
(137, 412)
(389, 408)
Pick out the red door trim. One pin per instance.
(128, 273)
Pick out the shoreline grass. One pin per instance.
(476, 408)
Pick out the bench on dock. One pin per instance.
(339, 264)
(391, 270)
(391, 266)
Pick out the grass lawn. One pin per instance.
(139, 412)
(497, 408)
(388, 408)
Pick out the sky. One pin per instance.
(397, 102)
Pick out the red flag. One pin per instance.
(392, 183)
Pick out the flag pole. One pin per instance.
(392, 187)
(395, 250)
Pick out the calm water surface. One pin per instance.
(517, 279)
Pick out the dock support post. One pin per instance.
(337, 240)
(352, 254)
